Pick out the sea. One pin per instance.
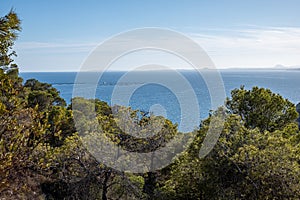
(185, 97)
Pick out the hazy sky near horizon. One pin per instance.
(58, 35)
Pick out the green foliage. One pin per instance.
(128, 130)
(251, 160)
(12, 92)
(298, 107)
(22, 129)
(42, 156)
(39, 140)
(261, 108)
(42, 95)
(9, 27)
(248, 164)
(61, 125)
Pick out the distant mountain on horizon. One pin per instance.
(296, 67)
(276, 67)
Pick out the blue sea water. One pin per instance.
(284, 82)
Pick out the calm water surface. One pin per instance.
(284, 82)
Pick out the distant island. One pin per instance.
(276, 67)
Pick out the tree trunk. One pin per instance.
(104, 185)
(149, 186)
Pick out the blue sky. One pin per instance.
(58, 35)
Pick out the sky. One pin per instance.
(59, 35)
